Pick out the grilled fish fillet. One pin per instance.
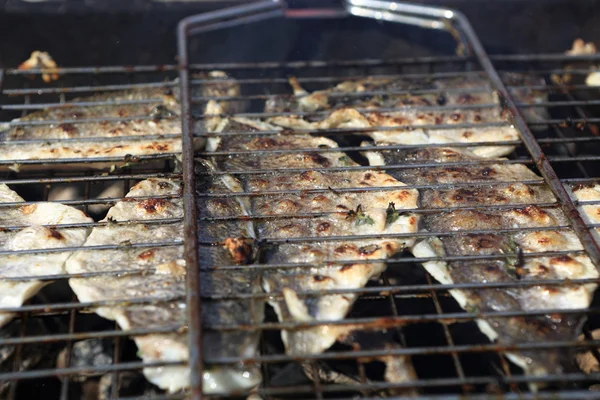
(33, 234)
(412, 112)
(336, 213)
(141, 112)
(157, 273)
(589, 193)
(117, 129)
(373, 93)
(514, 267)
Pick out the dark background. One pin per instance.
(87, 32)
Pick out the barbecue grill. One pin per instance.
(451, 357)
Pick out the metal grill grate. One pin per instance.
(451, 357)
(467, 364)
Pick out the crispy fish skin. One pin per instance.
(34, 235)
(338, 214)
(514, 268)
(160, 276)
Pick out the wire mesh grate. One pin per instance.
(450, 355)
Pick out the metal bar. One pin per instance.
(408, 289)
(41, 106)
(163, 221)
(91, 139)
(44, 309)
(448, 186)
(394, 352)
(391, 260)
(60, 372)
(88, 335)
(93, 248)
(86, 88)
(193, 291)
(124, 69)
(64, 384)
(93, 178)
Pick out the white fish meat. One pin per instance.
(415, 115)
(36, 221)
(156, 273)
(124, 123)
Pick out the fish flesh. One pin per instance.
(373, 93)
(125, 123)
(500, 184)
(85, 130)
(33, 226)
(309, 203)
(156, 274)
(151, 272)
(589, 193)
(450, 101)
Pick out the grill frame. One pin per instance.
(70, 307)
(467, 38)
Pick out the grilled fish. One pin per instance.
(309, 202)
(152, 272)
(157, 274)
(525, 214)
(374, 93)
(85, 128)
(589, 193)
(125, 123)
(500, 184)
(31, 229)
(415, 115)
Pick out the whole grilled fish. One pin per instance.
(157, 274)
(33, 227)
(500, 184)
(310, 203)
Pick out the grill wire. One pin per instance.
(451, 357)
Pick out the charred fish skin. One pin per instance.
(512, 268)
